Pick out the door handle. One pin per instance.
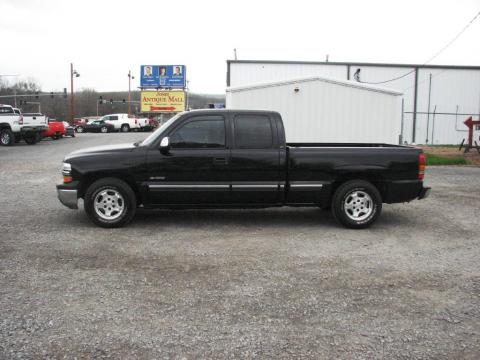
(220, 160)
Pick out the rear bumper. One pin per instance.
(404, 191)
(424, 193)
(30, 129)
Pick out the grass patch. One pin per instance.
(446, 160)
(442, 146)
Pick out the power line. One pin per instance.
(433, 57)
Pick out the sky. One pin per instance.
(104, 39)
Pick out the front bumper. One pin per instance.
(68, 197)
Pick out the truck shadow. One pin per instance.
(246, 218)
(292, 218)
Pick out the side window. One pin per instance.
(203, 133)
(113, 117)
(253, 132)
(6, 110)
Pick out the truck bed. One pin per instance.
(346, 145)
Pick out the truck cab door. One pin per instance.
(195, 171)
(256, 167)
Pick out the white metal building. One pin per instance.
(319, 109)
(437, 98)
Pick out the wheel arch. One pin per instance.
(376, 179)
(89, 178)
(5, 126)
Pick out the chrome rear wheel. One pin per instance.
(358, 205)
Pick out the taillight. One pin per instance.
(422, 163)
(20, 121)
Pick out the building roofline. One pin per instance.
(420, 66)
(348, 83)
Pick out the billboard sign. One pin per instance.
(163, 101)
(163, 76)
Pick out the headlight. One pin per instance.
(67, 173)
(66, 169)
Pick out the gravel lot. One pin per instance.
(275, 283)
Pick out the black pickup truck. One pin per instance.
(239, 159)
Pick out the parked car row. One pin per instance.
(115, 122)
(33, 127)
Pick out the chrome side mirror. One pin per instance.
(165, 145)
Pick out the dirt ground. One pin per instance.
(285, 283)
(473, 157)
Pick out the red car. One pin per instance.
(56, 130)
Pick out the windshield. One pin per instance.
(151, 139)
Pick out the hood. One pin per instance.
(106, 149)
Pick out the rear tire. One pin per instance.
(32, 139)
(356, 204)
(80, 129)
(7, 138)
(125, 128)
(110, 203)
(104, 129)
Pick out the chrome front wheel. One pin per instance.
(109, 204)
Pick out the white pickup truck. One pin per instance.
(14, 126)
(122, 122)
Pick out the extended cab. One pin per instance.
(239, 159)
(14, 126)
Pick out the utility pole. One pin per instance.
(72, 96)
(130, 77)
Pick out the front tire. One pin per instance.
(104, 129)
(80, 129)
(125, 128)
(7, 138)
(356, 204)
(110, 203)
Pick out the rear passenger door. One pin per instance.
(255, 160)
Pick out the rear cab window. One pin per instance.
(253, 132)
(6, 110)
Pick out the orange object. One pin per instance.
(422, 164)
